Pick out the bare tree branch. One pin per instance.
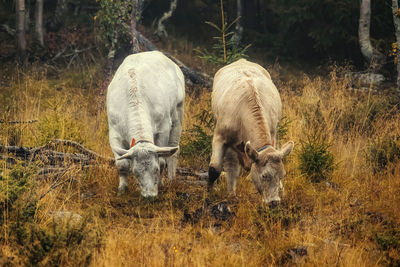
(161, 31)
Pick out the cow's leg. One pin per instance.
(161, 140)
(232, 169)
(122, 165)
(123, 171)
(174, 137)
(215, 167)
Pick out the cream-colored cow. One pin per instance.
(247, 108)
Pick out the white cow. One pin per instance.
(247, 108)
(145, 102)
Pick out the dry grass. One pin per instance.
(351, 221)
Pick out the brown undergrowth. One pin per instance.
(349, 217)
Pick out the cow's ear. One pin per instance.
(287, 148)
(166, 151)
(251, 152)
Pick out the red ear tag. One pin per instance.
(133, 142)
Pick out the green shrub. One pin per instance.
(283, 127)
(199, 140)
(388, 239)
(225, 51)
(57, 243)
(60, 244)
(13, 186)
(315, 159)
(379, 154)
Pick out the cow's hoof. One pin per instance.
(213, 175)
(273, 204)
(122, 190)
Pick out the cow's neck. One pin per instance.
(140, 126)
(259, 136)
(255, 129)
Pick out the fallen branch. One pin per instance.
(87, 152)
(192, 75)
(18, 122)
(86, 157)
(57, 163)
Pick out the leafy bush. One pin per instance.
(381, 153)
(112, 20)
(57, 243)
(199, 140)
(316, 161)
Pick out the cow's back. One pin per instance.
(147, 81)
(241, 88)
(157, 80)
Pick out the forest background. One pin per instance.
(342, 188)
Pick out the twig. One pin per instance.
(18, 122)
(89, 153)
(53, 186)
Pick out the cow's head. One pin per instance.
(267, 170)
(146, 165)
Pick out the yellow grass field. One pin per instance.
(350, 218)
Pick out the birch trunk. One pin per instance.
(396, 22)
(134, 15)
(161, 31)
(39, 22)
(238, 35)
(374, 58)
(21, 41)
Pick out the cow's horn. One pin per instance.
(167, 151)
(126, 155)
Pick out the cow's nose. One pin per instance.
(149, 194)
(273, 204)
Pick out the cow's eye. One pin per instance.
(266, 177)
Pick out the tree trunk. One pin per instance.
(39, 22)
(21, 41)
(107, 77)
(27, 16)
(396, 22)
(374, 58)
(238, 35)
(134, 15)
(161, 31)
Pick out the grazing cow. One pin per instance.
(247, 108)
(145, 109)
